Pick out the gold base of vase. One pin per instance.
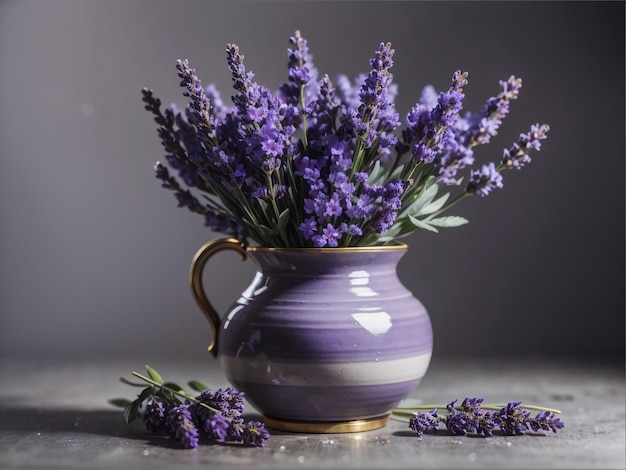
(326, 427)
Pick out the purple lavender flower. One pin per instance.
(320, 115)
(163, 174)
(471, 405)
(330, 236)
(188, 200)
(155, 415)
(478, 421)
(512, 419)
(354, 230)
(363, 208)
(546, 421)
(422, 422)
(172, 141)
(227, 401)
(253, 101)
(255, 434)
(310, 150)
(478, 128)
(181, 426)
(389, 205)
(484, 180)
(468, 417)
(223, 223)
(429, 97)
(218, 108)
(517, 155)
(200, 105)
(376, 103)
(333, 206)
(485, 423)
(216, 426)
(348, 92)
(308, 228)
(457, 422)
(235, 430)
(429, 134)
(302, 73)
(383, 221)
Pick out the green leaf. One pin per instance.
(292, 196)
(145, 393)
(120, 402)
(434, 206)
(197, 386)
(374, 173)
(265, 231)
(423, 225)
(422, 200)
(173, 386)
(430, 181)
(131, 412)
(264, 205)
(448, 221)
(283, 218)
(396, 173)
(154, 375)
(384, 239)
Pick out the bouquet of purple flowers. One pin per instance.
(328, 164)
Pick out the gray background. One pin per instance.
(94, 255)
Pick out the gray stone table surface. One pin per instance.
(54, 414)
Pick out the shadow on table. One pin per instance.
(32, 421)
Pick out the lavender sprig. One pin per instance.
(518, 154)
(472, 416)
(201, 107)
(212, 416)
(478, 128)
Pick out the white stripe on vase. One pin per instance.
(261, 370)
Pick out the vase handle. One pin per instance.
(195, 280)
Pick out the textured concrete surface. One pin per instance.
(55, 415)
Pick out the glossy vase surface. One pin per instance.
(324, 340)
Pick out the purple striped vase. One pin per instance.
(323, 339)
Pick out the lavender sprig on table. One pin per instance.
(212, 416)
(472, 416)
(323, 163)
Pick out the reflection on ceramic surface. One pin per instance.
(374, 322)
(359, 279)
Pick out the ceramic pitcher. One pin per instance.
(323, 339)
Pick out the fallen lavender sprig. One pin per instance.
(472, 416)
(215, 416)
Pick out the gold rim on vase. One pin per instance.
(326, 427)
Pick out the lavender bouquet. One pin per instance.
(327, 164)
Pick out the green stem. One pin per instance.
(174, 392)
(450, 204)
(356, 158)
